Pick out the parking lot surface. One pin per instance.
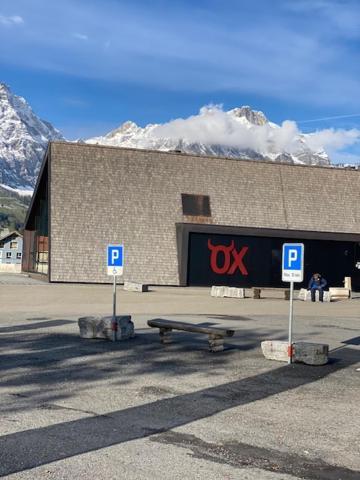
(76, 408)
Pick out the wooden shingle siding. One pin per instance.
(101, 195)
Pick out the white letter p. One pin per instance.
(293, 254)
(114, 256)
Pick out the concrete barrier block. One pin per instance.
(275, 350)
(234, 292)
(303, 352)
(339, 293)
(87, 326)
(217, 291)
(136, 287)
(311, 353)
(230, 292)
(305, 295)
(302, 294)
(100, 327)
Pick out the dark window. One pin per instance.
(18, 255)
(196, 205)
(8, 254)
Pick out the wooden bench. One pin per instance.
(257, 291)
(215, 335)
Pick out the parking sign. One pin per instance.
(115, 259)
(293, 262)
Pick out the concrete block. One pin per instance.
(275, 350)
(217, 291)
(303, 352)
(233, 292)
(87, 326)
(230, 292)
(347, 283)
(339, 293)
(305, 295)
(311, 353)
(100, 327)
(135, 287)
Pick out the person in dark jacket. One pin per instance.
(317, 282)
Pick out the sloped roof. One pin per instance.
(15, 232)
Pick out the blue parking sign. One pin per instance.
(293, 262)
(115, 259)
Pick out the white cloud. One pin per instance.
(80, 36)
(332, 140)
(11, 20)
(214, 126)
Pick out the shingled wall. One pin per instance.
(101, 195)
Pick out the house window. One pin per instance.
(8, 254)
(18, 255)
(13, 244)
(196, 205)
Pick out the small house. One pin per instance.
(11, 246)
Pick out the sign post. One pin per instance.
(115, 267)
(293, 272)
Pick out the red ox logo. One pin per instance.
(230, 254)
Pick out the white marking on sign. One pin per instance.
(293, 254)
(114, 255)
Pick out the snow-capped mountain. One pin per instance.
(23, 140)
(238, 133)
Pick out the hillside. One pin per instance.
(13, 208)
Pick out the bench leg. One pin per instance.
(165, 335)
(257, 293)
(216, 343)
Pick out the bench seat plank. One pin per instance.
(188, 327)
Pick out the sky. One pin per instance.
(89, 65)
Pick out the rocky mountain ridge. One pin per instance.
(23, 140)
(237, 133)
(248, 123)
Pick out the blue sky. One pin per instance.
(88, 65)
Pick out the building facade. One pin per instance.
(187, 219)
(11, 247)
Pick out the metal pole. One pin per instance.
(290, 347)
(113, 321)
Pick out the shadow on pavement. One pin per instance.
(34, 326)
(31, 448)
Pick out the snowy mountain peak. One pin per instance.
(253, 116)
(125, 128)
(4, 88)
(237, 133)
(23, 139)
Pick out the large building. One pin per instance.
(187, 219)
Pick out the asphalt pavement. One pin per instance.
(75, 408)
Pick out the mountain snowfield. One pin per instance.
(237, 133)
(23, 140)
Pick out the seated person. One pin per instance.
(317, 282)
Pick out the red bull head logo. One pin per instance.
(232, 259)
